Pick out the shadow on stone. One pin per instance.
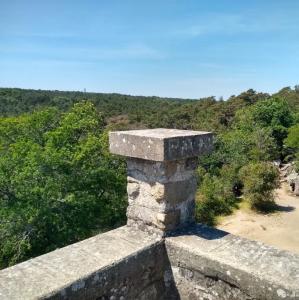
(171, 292)
(202, 231)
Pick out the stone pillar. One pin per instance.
(161, 167)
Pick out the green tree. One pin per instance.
(58, 183)
(292, 141)
(260, 179)
(255, 138)
(273, 114)
(215, 195)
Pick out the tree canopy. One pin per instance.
(58, 183)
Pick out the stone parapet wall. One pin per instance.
(120, 264)
(211, 264)
(196, 263)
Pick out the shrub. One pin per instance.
(260, 179)
(292, 141)
(215, 198)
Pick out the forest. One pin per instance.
(59, 184)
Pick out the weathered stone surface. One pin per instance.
(157, 189)
(187, 212)
(120, 263)
(193, 285)
(197, 263)
(162, 172)
(230, 266)
(164, 221)
(161, 197)
(160, 144)
(133, 188)
(139, 213)
(169, 221)
(180, 191)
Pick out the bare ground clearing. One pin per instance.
(280, 229)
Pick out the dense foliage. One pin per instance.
(256, 136)
(292, 141)
(260, 179)
(135, 111)
(59, 184)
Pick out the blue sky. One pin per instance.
(175, 48)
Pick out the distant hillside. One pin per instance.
(139, 111)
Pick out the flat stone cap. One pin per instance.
(160, 144)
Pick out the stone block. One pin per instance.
(163, 221)
(144, 214)
(147, 195)
(163, 172)
(180, 191)
(168, 221)
(187, 211)
(160, 144)
(161, 197)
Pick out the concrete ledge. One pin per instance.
(120, 263)
(207, 261)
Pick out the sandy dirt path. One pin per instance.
(280, 229)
